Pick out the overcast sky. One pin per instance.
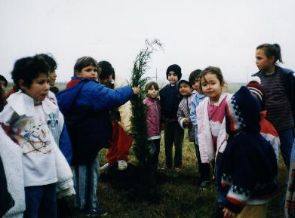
(194, 33)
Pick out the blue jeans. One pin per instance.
(41, 201)
(85, 180)
(286, 138)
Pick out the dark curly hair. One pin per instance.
(50, 61)
(29, 68)
(106, 69)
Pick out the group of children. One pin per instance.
(39, 130)
(236, 136)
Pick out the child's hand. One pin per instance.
(136, 90)
(228, 214)
(186, 122)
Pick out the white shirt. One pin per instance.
(28, 125)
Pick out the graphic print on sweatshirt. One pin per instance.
(35, 136)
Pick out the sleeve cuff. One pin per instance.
(236, 208)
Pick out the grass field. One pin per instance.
(179, 194)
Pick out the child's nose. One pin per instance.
(47, 86)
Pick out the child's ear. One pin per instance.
(21, 84)
(76, 73)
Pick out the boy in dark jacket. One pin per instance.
(85, 104)
(169, 101)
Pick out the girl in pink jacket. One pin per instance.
(153, 119)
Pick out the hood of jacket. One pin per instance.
(243, 112)
(67, 98)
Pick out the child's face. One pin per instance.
(172, 78)
(108, 81)
(211, 86)
(152, 92)
(196, 85)
(262, 61)
(89, 72)
(185, 89)
(39, 88)
(52, 77)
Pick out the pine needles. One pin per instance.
(142, 148)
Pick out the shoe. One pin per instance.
(95, 212)
(104, 167)
(122, 165)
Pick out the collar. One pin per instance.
(24, 104)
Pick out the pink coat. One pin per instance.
(153, 112)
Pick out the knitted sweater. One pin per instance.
(247, 169)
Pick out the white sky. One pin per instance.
(194, 33)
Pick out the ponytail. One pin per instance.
(272, 50)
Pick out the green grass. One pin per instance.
(179, 194)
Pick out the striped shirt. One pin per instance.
(278, 107)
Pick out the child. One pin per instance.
(248, 165)
(204, 168)
(169, 101)
(153, 111)
(121, 141)
(185, 90)
(3, 85)
(107, 74)
(52, 75)
(183, 111)
(85, 104)
(279, 87)
(211, 114)
(25, 118)
(267, 130)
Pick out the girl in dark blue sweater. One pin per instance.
(247, 169)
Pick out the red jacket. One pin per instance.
(153, 112)
(268, 131)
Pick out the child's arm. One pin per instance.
(182, 120)
(103, 98)
(65, 144)
(8, 116)
(193, 112)
(162, 108)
